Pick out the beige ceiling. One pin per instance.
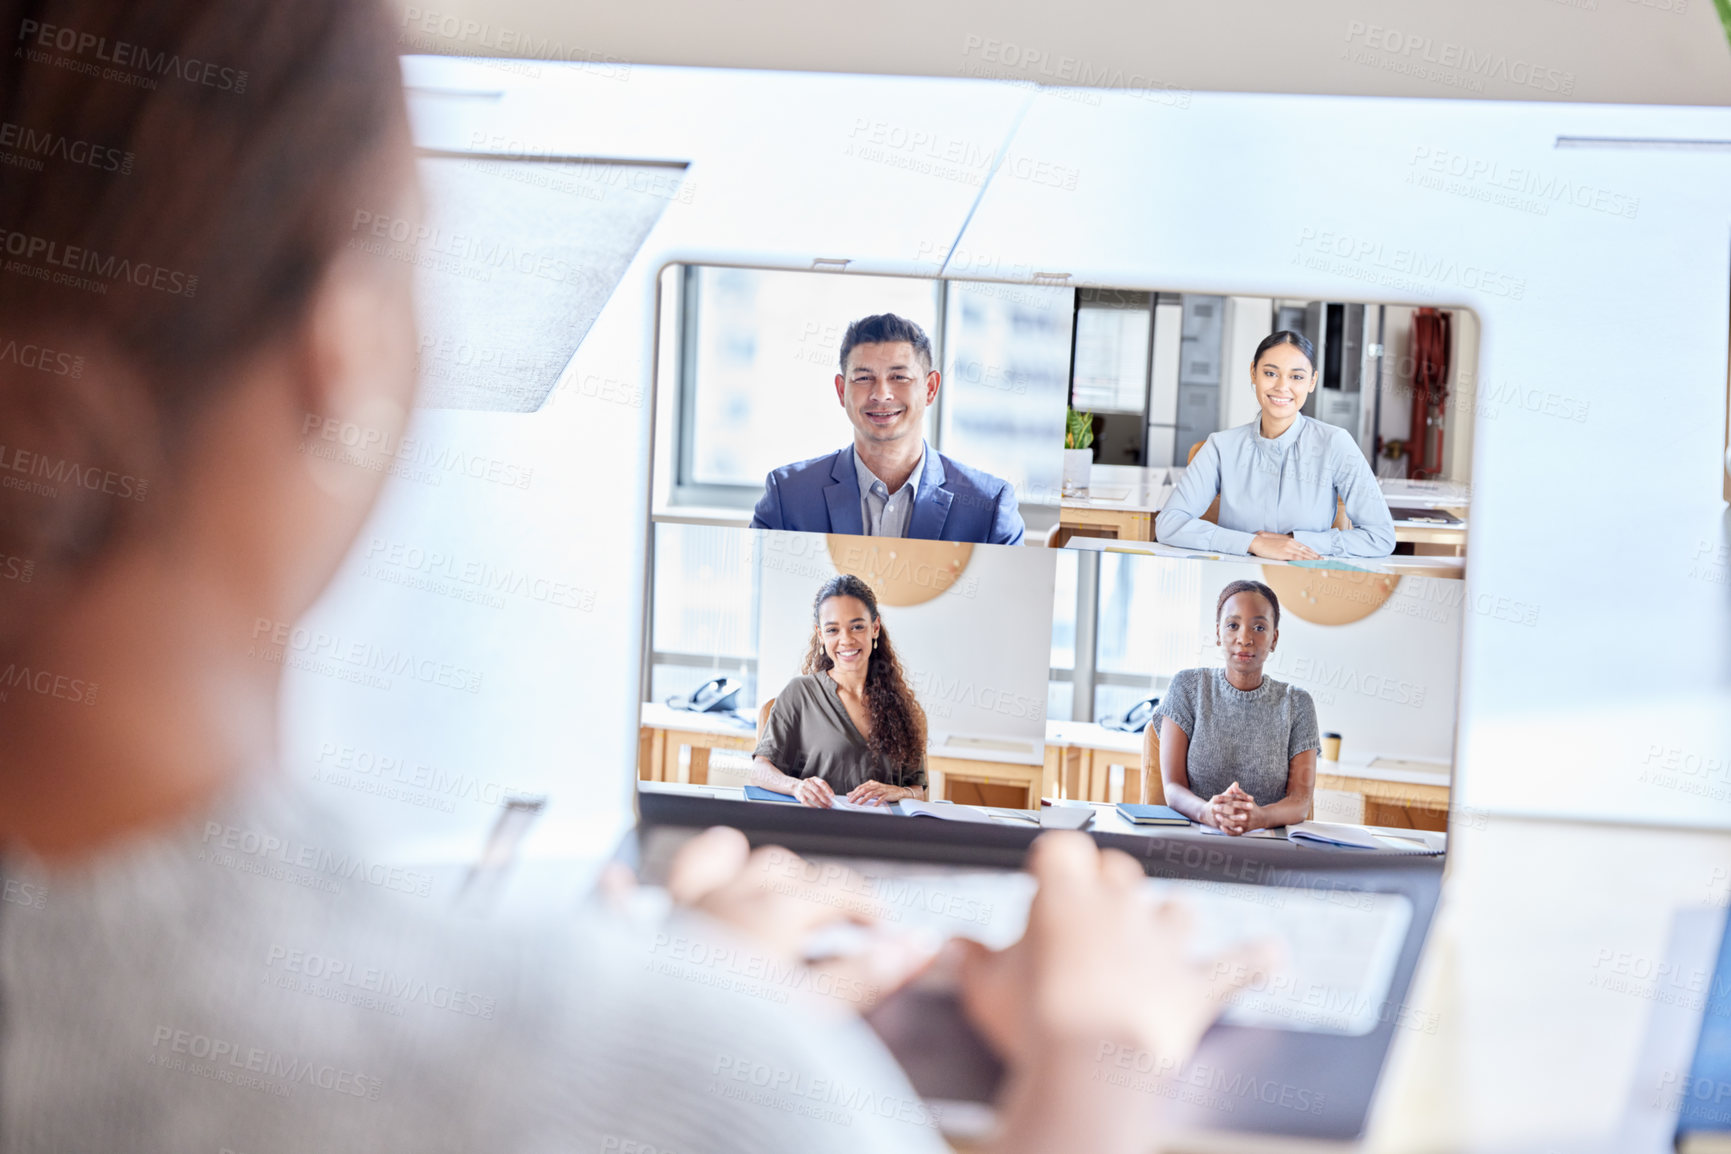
(1639, 51)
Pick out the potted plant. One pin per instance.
(1078, 452)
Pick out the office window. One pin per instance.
(704, 621)
(1146, 618)
(1061, 689)
(1015, 341)
(762, 361)
(1112, 352)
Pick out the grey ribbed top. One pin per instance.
(254, 982)
(1249, 737)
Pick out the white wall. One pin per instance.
(1387, 683)
(978, 654)
(1248, 320)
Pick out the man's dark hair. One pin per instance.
(887, 329)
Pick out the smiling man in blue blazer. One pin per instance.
(889, 482)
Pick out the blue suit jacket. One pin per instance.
(953, 502)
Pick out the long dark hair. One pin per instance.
(898, 723)
(187, 194)
(1286, 337)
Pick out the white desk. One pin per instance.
(1126, 498)
(663, 731)
(1408, 798)
(1533, 1026)
(1121, 498)
(1423, 566)
(1426, 494)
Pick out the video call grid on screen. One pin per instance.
(745, 386)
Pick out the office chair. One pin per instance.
(1153, 785)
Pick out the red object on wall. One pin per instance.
(1430, 375)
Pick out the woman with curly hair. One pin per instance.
(848, 723)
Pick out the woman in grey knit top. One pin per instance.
(1238, 749)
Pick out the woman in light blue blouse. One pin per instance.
(1280, 476)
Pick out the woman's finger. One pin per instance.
(1121, 870)
(1243, 965)
(705, 863)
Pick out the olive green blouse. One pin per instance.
(809, 734)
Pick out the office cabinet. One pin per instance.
(1202, 328)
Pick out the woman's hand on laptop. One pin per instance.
(779, 901)
(1100, 965)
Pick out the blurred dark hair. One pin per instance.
(232, 143)
(1286, 337)
(1236, 587)
(898, 723)
(886, 329)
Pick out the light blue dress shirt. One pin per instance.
(1284, 484)
(886, 514)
